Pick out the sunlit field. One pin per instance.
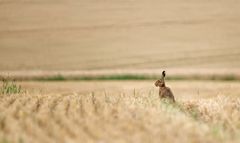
(123, 34)
(83, 71)
(127, 111)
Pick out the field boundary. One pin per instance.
(222, 75)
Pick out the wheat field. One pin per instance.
(123, 34)
(44, 42)
(117, 111)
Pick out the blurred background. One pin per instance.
(73, 35)
(83, 42)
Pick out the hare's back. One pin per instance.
(169, 92)
(165, 91)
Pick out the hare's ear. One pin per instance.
(163, 74)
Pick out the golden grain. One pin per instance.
(122, 116)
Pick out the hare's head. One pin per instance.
(161, 82)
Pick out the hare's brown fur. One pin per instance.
(164, 92)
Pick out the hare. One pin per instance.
(164, 92)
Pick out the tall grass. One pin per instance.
(10, 87)
(135, 115)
